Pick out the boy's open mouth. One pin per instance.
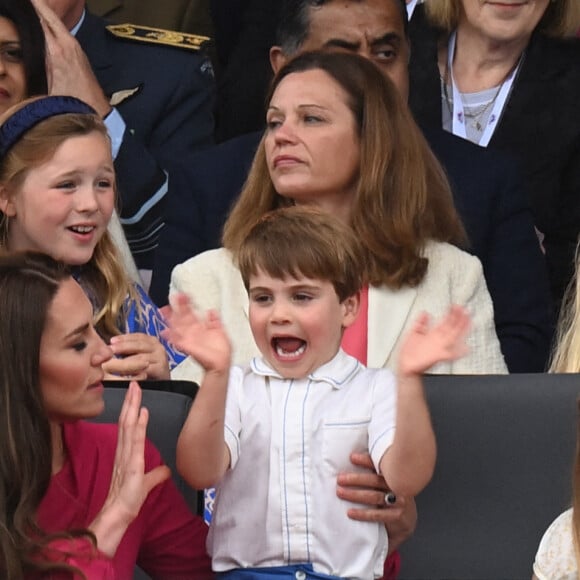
(288, 346)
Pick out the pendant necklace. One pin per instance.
(484, 120)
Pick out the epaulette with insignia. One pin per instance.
(158, 36)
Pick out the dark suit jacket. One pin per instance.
(489, 199)
(169, 116)
(540, 124)
(244, 30)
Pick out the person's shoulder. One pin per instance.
(375, 377)
(245, 142)
(216, 265)
(91, 440)
(555, 557)
(448, 255)
(226, 157)
(100, 432)
(553, 47)
(557, 58)
(103, 437)
(215, 259)
(136, 44)
(153, 69)
(148, 36)
(450, 267)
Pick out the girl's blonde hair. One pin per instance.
(103, 277)
(566, 359)
(576, 494)
(566, 352)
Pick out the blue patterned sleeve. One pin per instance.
(142, 315)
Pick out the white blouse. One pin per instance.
(556, 559)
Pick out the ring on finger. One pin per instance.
(390, 499)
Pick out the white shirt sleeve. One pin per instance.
(233, 420)
(384, 414)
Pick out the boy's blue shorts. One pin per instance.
(296, 572)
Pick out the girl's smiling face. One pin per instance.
(64, 205)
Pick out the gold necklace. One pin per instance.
(468, 113)
(474, 114)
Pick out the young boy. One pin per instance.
(274, 436)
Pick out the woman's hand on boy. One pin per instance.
(370, 489)
(204, 339)
(427, 344)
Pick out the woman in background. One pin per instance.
(339, 137)
(506, 76)
(22, 53)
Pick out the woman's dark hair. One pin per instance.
(28, 284)
(22, 14)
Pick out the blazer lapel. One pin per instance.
(387, 316)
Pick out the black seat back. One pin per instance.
(504, 471)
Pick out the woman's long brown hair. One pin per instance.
(28, 284)
(403, 198)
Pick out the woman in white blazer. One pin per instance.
(339, 137)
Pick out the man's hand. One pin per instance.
(67, 67)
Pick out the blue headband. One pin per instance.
(33, 113)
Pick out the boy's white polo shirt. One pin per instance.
(289, 439)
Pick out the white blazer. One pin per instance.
(212, 281)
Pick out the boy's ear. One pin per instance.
(351, 306)
(6, 205)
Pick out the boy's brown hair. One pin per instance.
(303, 241)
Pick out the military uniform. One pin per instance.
(164, 95)
(184, 15)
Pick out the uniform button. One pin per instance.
(300, 575)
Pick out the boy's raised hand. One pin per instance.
(427, 344)
(205, 340)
